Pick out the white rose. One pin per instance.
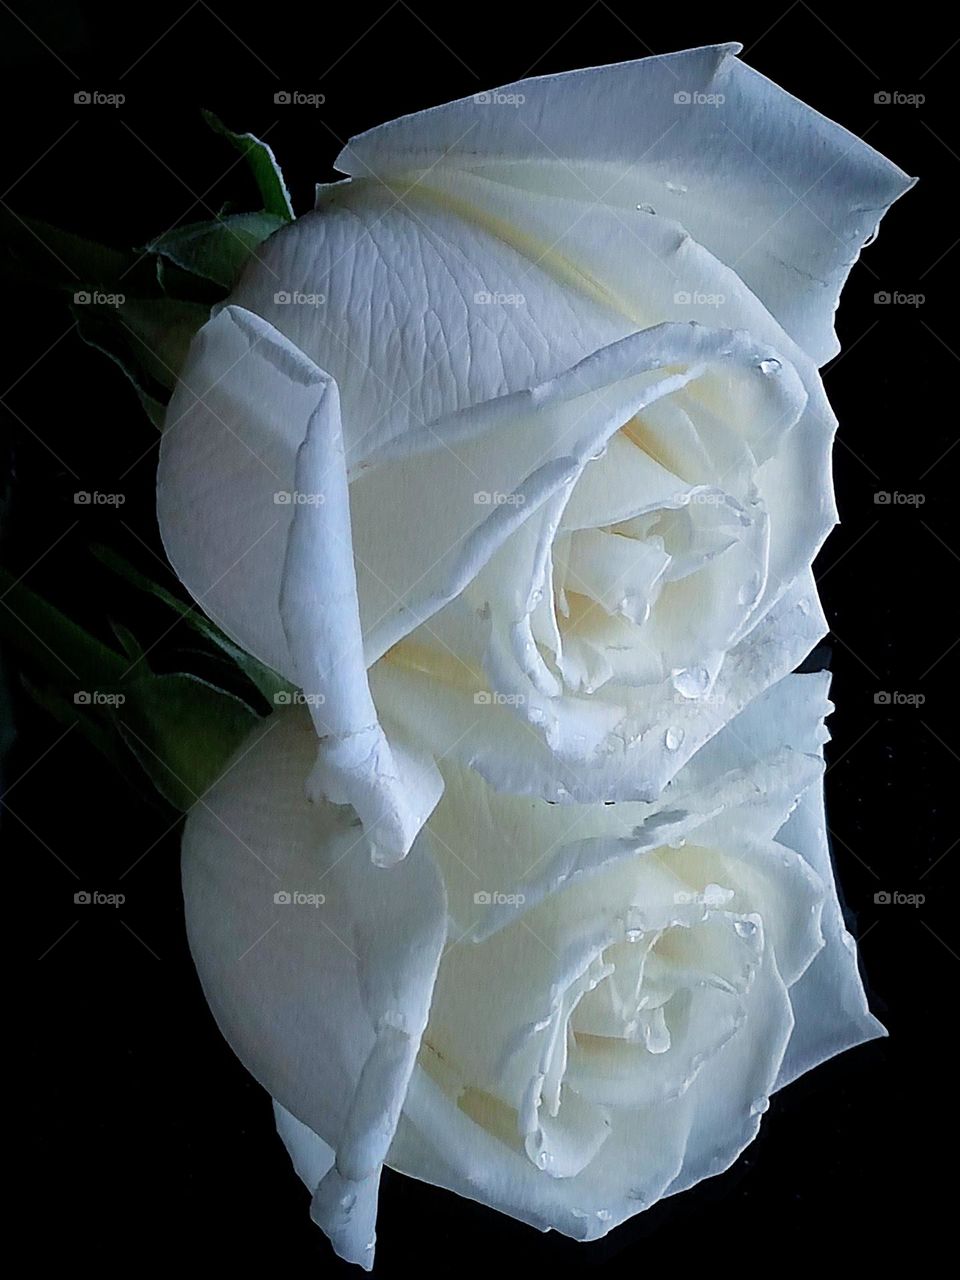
(455, 440)
(565, 1013)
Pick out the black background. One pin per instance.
(148, 1141)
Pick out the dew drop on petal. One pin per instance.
(769, 366)
(645, 208)
(759, 1105)
(672, 738)
(691, 682)
(745, 928)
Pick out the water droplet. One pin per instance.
(745, 928)
(601, 452)
(691, 682)
(677, 187)
(656, 1033)
(645, 208)
(759, 1105)
(672, 738)
(769, 366)
(634, 935)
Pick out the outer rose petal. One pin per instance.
(285, 588)
(829, 1001)
(324, 1005)
(767, 184)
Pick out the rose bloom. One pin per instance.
(514, 451)
(565, 1013)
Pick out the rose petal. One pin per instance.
(767, 184)
(457, 714)
(324, 1004)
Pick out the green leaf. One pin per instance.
(183, 731)
(262, 677)
(218, 250)
(67, 655)
(263, 165)
(185, 286)
(69, 261)
(147, 338)
(131, 645)
(98, 732)
(180, 728)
